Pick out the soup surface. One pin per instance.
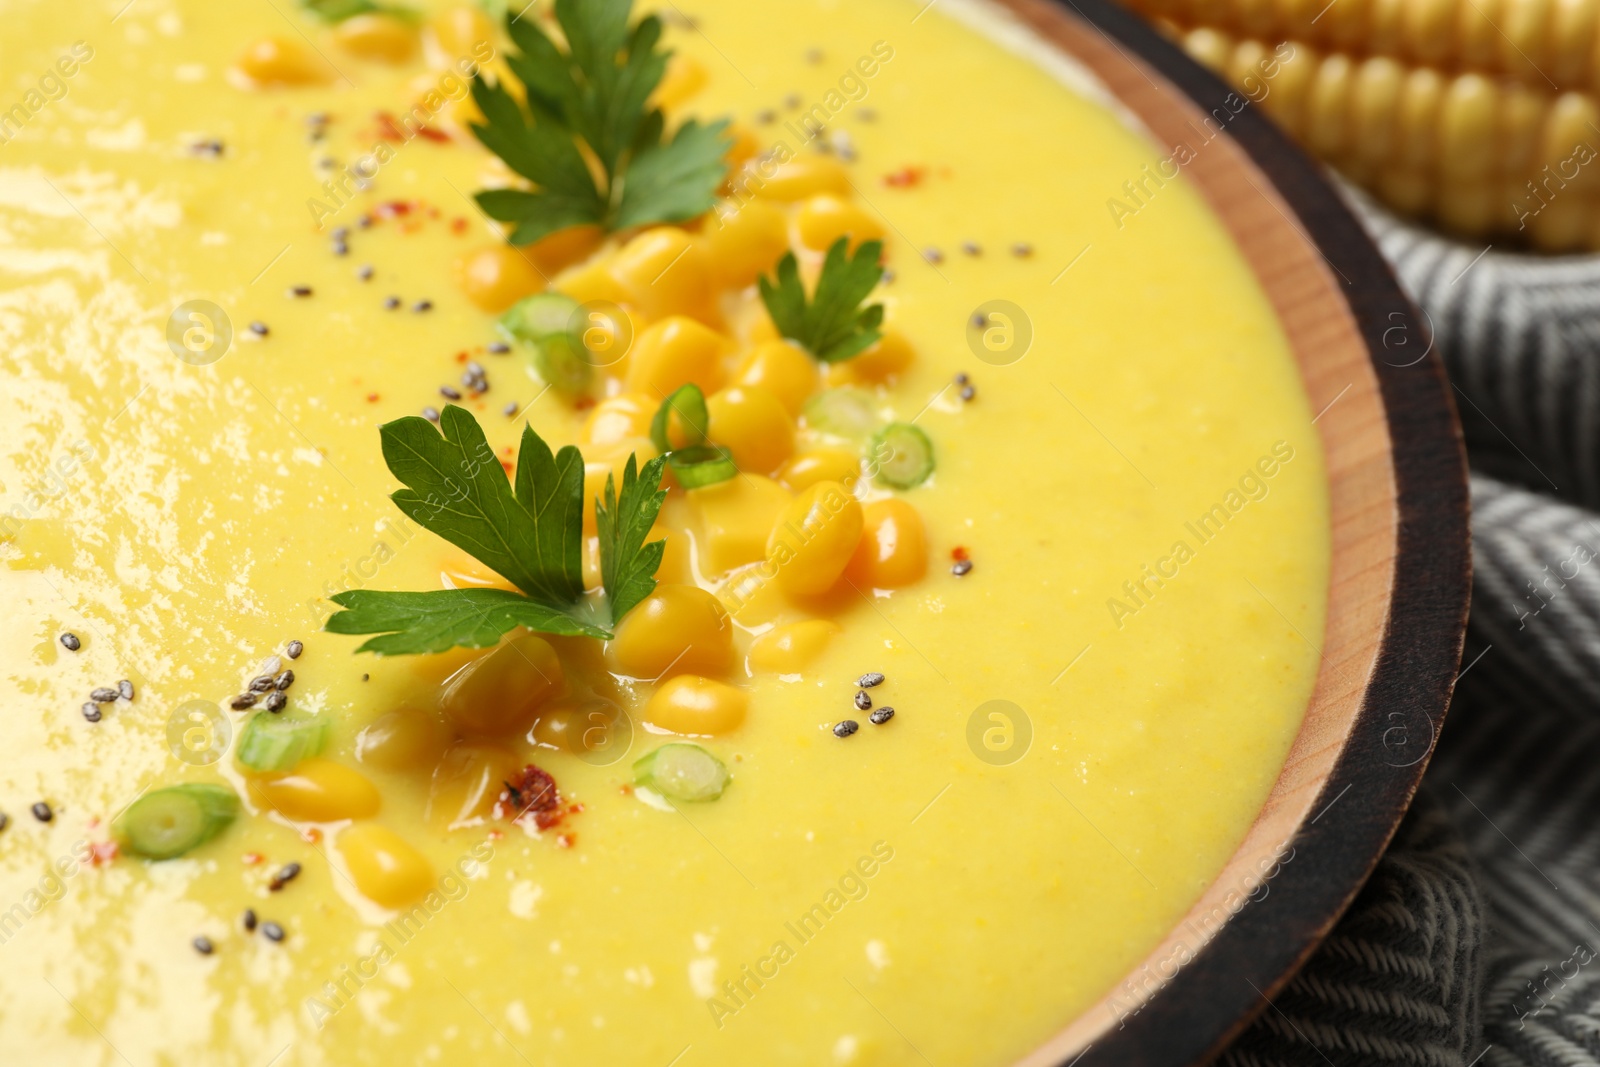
(1087, 719)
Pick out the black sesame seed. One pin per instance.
(499, 348)
(961, 567)
(202, 945)
(242, 701)
(70, 642)
(845, 728)
(391, 302)
(284, 680)
(261, 683)
(42, 812)
(510, 410)
(863, 701)
(294, 649)
(870, 679)
(449, 392)
(980, 321)
(431, 414)
(971, 248)
(422, 305)
(275, 702)
(259, 329)
(968, 392)
(125, 689)
(365, 272)
(962, 379)
(273, 931)
(881, 716)
(300, 290)
(1022, 250)
(288, 874)
(103, 695)
(249, 918)
(91, 712)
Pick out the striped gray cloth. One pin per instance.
(1477, 940)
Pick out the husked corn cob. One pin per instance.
(1479, 156)
(1550, 44)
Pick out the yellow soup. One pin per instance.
(1097, 618)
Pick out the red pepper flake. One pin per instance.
(567, 840)
(436, 136)
(958, 553)
(496, 835)
(458, 225)
(311, 835)
(531, 793)
(626, 789)
(250, 859)
(905, 177)
(388, 129)
(372, 398)
(94, 820)
(462, 356)
(394, 209)
(583, 403)
(508, 465)
(102, 853)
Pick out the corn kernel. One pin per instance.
(882, 361)
(814, 538)
(496, 276)
(684, 77)
(787, 649)
(674, 352)
(735, 518)
(696, 707)
(665, 271)
(680, 628)
(463, 572)
(617, 418)
(781, 368)
(820, 464)
(383, 866)
(402, 739)
(317, 790)
(893, 550)
(587, 726)
(753, 425)
(795, 179)
(745, 241)
(376, 36)
(824, 219)
(498, 692)
(274, 62)
(466, 784)
(458, 32)
(558, 251)
(590, 282)
(609, 461)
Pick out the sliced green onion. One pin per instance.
(903, 455)
(169, 822)
(544, 322)
(701, 465)
(681, 771)
(274, 743)
(849, 412)
(690, 404)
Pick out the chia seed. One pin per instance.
(284, 680)
(933, 255)
(70, 642)
(91, 712)
(103, 695)
(125, 689)
(766, 116)
(288, 874)
(275, 702)
(971, 248)
(42, 812)
(449, 392)
(968, 392)
(300, 291)
(867, 681)
(364, 272)
(510, 410)
(391, 302)
(340, 248)
(250, 919)
(259, 329)
(863, 702)
(881, 716)
(242, 701)
(961, 568)
(261, 683)
(431, 414)
(1022, 250)
(203, 945)
(294, 649)
(845, 728)
(962, 379)
(422, 305)
(499, 348)
(5, 820)
(273, 931)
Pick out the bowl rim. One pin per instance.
(1191, 1016)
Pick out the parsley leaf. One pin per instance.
(829, 326)
(339, 10)
(529, 532)
(627, 564)
(597, 93)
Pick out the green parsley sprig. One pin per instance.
(596, 93)
(529, 532)
(832, 325)
(336, 11)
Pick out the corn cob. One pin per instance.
(1551, 44)
(1484, 158)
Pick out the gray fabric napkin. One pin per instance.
(1477, 940)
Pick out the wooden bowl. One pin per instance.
(1400, 569)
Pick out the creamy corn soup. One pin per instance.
(948, 702)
